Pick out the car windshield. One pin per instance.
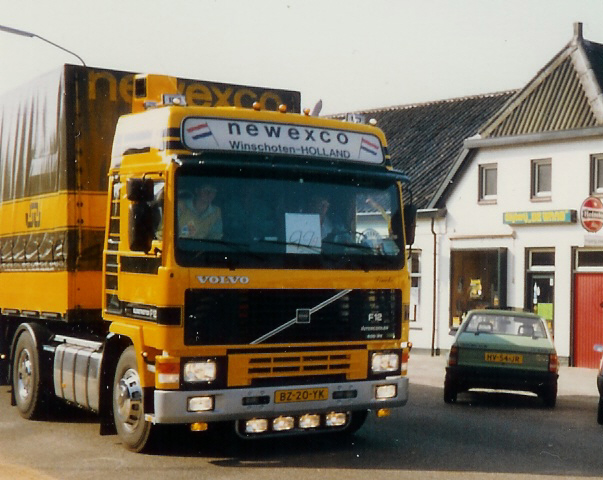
(505, 325)
(294, 221)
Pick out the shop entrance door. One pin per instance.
(541, 295)
(588, 318)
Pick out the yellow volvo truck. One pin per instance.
(212, 254)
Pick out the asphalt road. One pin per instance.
(483, 436)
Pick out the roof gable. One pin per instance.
(564, 95)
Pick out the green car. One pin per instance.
(504, 350)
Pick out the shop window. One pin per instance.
(488, 176)
(478, 280)
(415, 284)
(541, 259)
(541, 179)
(589, 260)
(596, 173)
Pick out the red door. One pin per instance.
(588, 318)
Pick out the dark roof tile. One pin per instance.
(425, 139)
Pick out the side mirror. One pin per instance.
(453, 331)
(410, 223)
(140, 189)
(140, 232)
(598, 348)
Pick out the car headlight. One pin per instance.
(385, 362)
(200, 371)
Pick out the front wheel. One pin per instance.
(549, 396)
(27, 380)
(357, 420)
(450, 391)
(128, 403)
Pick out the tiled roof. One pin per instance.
(564, 95)
(425, 139)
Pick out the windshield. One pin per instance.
(506, 325)
(293, 221)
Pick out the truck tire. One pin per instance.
(128, 403)
(357, 420)
(27, 379)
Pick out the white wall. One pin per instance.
(470, 225)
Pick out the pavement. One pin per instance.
(424, 369)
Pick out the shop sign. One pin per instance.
(591, 214)
(539, 218)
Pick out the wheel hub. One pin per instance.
(128, 399)
(24, 375)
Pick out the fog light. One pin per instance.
(256, 425)
(309, 421)
(385, 391)
(336, 419)
(200, 404)
(199, 427)
(383, 412)
(281, 424)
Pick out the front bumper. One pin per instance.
(229, 404)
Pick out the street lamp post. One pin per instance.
(23, 33)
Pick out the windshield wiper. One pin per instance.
(237, 247)
(313, 248)
(357, 246)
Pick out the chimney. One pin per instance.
(578, 31)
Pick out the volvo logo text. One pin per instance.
(222, 280)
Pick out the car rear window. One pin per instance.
(506, 325)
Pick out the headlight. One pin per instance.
(200, 371)
(385, 362)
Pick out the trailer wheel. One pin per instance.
(128, 403)
(26, 377)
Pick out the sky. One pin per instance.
(351, 54)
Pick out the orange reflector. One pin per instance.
(199, 427)
(383, 412)
(282, 108)
(168, 367)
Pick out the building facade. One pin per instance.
(502, 182)
(522, 210)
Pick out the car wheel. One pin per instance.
(549, 396)
(128, 403)
(26, 377)
(450, 391)
(600, 412)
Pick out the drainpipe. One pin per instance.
(433, 214)
(435, 269)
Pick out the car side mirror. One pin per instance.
(453, 331)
